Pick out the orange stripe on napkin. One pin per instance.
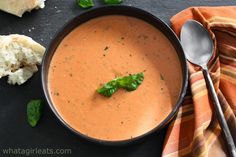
(195, 131)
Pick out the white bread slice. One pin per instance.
(18, 7)
(21, 75)
(19, 56)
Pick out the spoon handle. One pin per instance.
(220, 115)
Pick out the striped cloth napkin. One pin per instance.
(195, 131)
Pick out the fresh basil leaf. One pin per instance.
(34, 112)
(131, 82)
(109, 88)
(113, 1)
(128, 83)
(85, 3)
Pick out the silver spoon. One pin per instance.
(198, 48)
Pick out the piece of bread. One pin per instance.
(21, 75)
(18, 7)
(19, 56)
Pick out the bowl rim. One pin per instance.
(119, 8)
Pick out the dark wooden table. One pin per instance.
(42, 25)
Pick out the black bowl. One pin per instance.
(120, 10)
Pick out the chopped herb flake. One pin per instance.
(106, 48)
(161, 76)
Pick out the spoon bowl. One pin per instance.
(198, 45)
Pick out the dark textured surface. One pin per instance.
(42, 25)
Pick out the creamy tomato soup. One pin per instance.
(100, 50)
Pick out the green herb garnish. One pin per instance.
(131, 82)
(85, 3)
(34, 112)
(109, 88)
(113, 1)
(128, 83)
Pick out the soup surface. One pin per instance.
(100, 50)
